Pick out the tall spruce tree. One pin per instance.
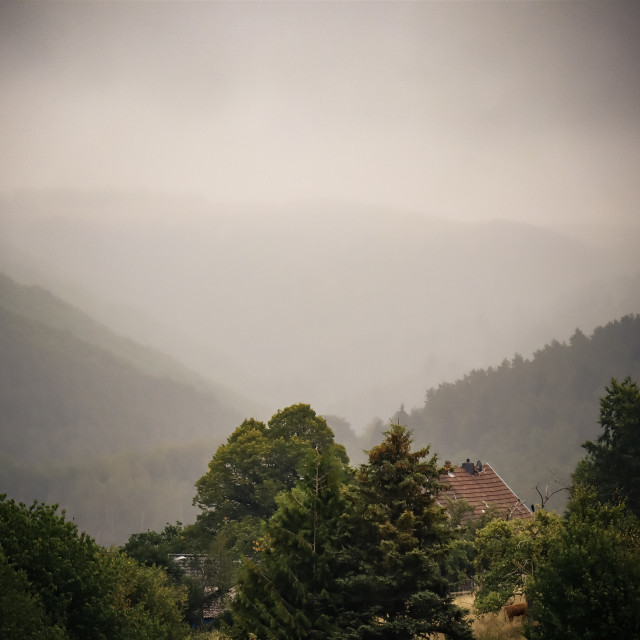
(389, 580)
(287, 592)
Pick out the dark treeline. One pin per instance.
(529, 417)
(113, 496)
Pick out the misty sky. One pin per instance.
(523, 110)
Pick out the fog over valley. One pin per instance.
(353, 309)
(229, 208)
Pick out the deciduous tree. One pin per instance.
(77, 589)
(587, 587)
(259, 461)
(22, 614)
(507, 553)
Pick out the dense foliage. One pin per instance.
(289, 590)
(587, 585)
(612, 464)
(204, 563)
(257, 462)
(581, 574)
(73, 589)
(153, 548)
(237, 496)
(507, 554)
(356, 560)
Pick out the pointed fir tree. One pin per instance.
(287, 591)
(389, 580)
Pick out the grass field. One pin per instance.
(491, 626)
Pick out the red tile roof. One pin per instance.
(482, 489)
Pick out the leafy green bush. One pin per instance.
(66, 586)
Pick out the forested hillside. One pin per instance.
(529, 417)
(118, 433)
(84, 426)
(40, 305)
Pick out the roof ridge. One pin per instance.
(480, 489)
(518, 499)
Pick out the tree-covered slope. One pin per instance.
(529, 417)
(112, 497)
(40, 305)
(83, 426)
(64, 399)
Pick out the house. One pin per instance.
(197, 569)
(482, 488)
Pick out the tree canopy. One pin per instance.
(75, 589)
(581, 574)
(507, 553)
(347, 555)
(256, 463)
(612, 464)
(587, 585)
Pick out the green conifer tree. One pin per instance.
(389, 580)
(287, 592)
